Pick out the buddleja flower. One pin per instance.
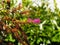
(29, 20)
(37, 20)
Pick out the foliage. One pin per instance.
(27, 24)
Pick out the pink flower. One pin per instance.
(29, 20)
(37, 20)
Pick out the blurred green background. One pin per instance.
(46, 32)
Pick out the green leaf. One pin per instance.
(38, 40)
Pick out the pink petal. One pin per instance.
(36, 20)
(29, 20)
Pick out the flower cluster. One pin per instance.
(35, 21)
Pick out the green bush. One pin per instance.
(46, 32)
